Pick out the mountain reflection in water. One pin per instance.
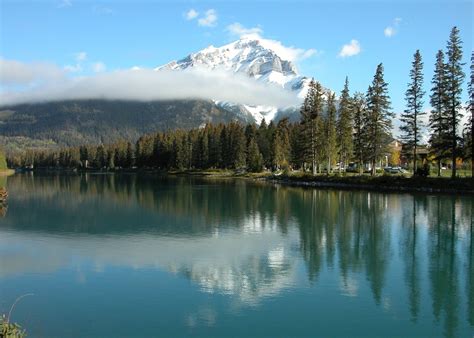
(410, 255)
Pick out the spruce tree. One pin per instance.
(439, 140)
(454, 80)
(470, 123)
(411, 117)
(129, 160)
(254, 157)
(110, 158)
(281, 145)
(264, 142)
(344, 126)
(100, 157)
(311, 120)
(84, 156)
(358, 105)
(378, 118)
(269, 159)
(330, 145)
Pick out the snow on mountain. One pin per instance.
(255, 57)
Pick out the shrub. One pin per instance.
(10, 330)
(3, 161)
(423, 171)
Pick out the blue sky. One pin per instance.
(88, 36)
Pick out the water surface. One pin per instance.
(140, 255)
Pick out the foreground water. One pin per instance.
(127, 255)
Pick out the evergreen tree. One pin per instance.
(378, 123)
(281, 145)
(311, 120)
(330, 145)
(226, 148)
(110, 159)
(358, 106)
(297, 143)
(270, 135)
(411, 123)
(215, 147)
(180, 151)
(238, 146)
(203, 148)
(100, 157)
(264, 143)
(345, 126)
(439, 141)
(470, 124)
(454, 80)
(84, 156)
(254, 157)
(129, 160)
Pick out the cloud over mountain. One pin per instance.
(147, 84)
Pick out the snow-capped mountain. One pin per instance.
(255, 57)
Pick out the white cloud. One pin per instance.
(191, 14)
(102, 10)
(14, 72)
(238, 30)
(146, 84)
(73, 68)
(350, 49)
(81, 56)
(98, 67)
(391, 30)
(65, 3)
(209, 19)
(286, 53)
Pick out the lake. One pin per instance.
(135, 255)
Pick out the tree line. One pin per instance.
(331, 133)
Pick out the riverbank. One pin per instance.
(6, 172)
(389, 183)
(382, 183)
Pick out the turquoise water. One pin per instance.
(139, 255)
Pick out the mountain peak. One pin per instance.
(266, 61)
(250, 55)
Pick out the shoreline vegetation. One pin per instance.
(383, 183)
(7, 172)
(348, 181)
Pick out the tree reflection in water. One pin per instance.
(347, 233)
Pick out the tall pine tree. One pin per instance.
(344, 126)
(470, 122)
(281, 145)
(311, 120)
(330, 145)
(454, 79)
(378, 118)
(439, 141)
(358, 107)
(411, 123)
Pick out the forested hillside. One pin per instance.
(71, 123)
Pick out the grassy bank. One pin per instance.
(6, 172)
(460, 185)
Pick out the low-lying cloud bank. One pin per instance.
(147, 85)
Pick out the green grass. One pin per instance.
(384, 182)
